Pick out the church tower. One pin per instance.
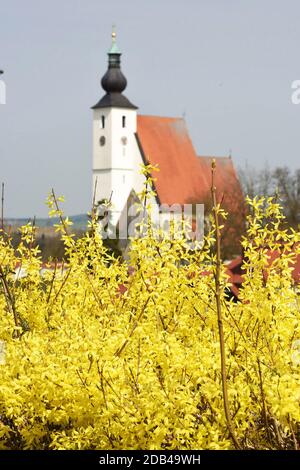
(114, 142)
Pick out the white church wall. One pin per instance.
(104, 184)
(114, 158)
(102, 153)
(122, 138)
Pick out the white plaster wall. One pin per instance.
(122, 155)
(113, 163)
(101, 155)
(104, 184)
(116, 166)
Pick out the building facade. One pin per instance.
(123, 140)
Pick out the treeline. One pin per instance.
(282, 182)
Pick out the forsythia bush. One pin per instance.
(86, 366)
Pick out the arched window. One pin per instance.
(123, 121)
(102, 124)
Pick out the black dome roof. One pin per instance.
(114, 82)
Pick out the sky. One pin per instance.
(226, 66)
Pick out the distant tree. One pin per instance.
(256, 182)
(281, 182)
(288, 187)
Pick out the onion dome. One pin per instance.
(114, 82)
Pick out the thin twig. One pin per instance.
(93, 212)
(219, 311)
(263, 401)
(121, 349)
(293, 433)
(2, 209)
(100, 372)
(58, 292)
(9, 297)
(95, 293)
(62, 285)
(52, 282)
(59, 212)
(85, 385)
(94, 198)
(32, 238)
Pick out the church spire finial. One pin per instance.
(113, 33)
(114, 48)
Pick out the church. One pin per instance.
(123, 140)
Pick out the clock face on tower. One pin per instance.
(102, 141)
(124, 140)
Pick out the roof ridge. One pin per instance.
(215, 156)
(161, 117)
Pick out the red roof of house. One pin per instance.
(235, 270)
(183, 177)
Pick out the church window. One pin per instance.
(123, 121)
(102, 140)
(102, 124)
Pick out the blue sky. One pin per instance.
(226, 65)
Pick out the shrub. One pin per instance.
(88, 367)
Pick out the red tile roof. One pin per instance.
(166, 143)
(183, 177)
(235, 271)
